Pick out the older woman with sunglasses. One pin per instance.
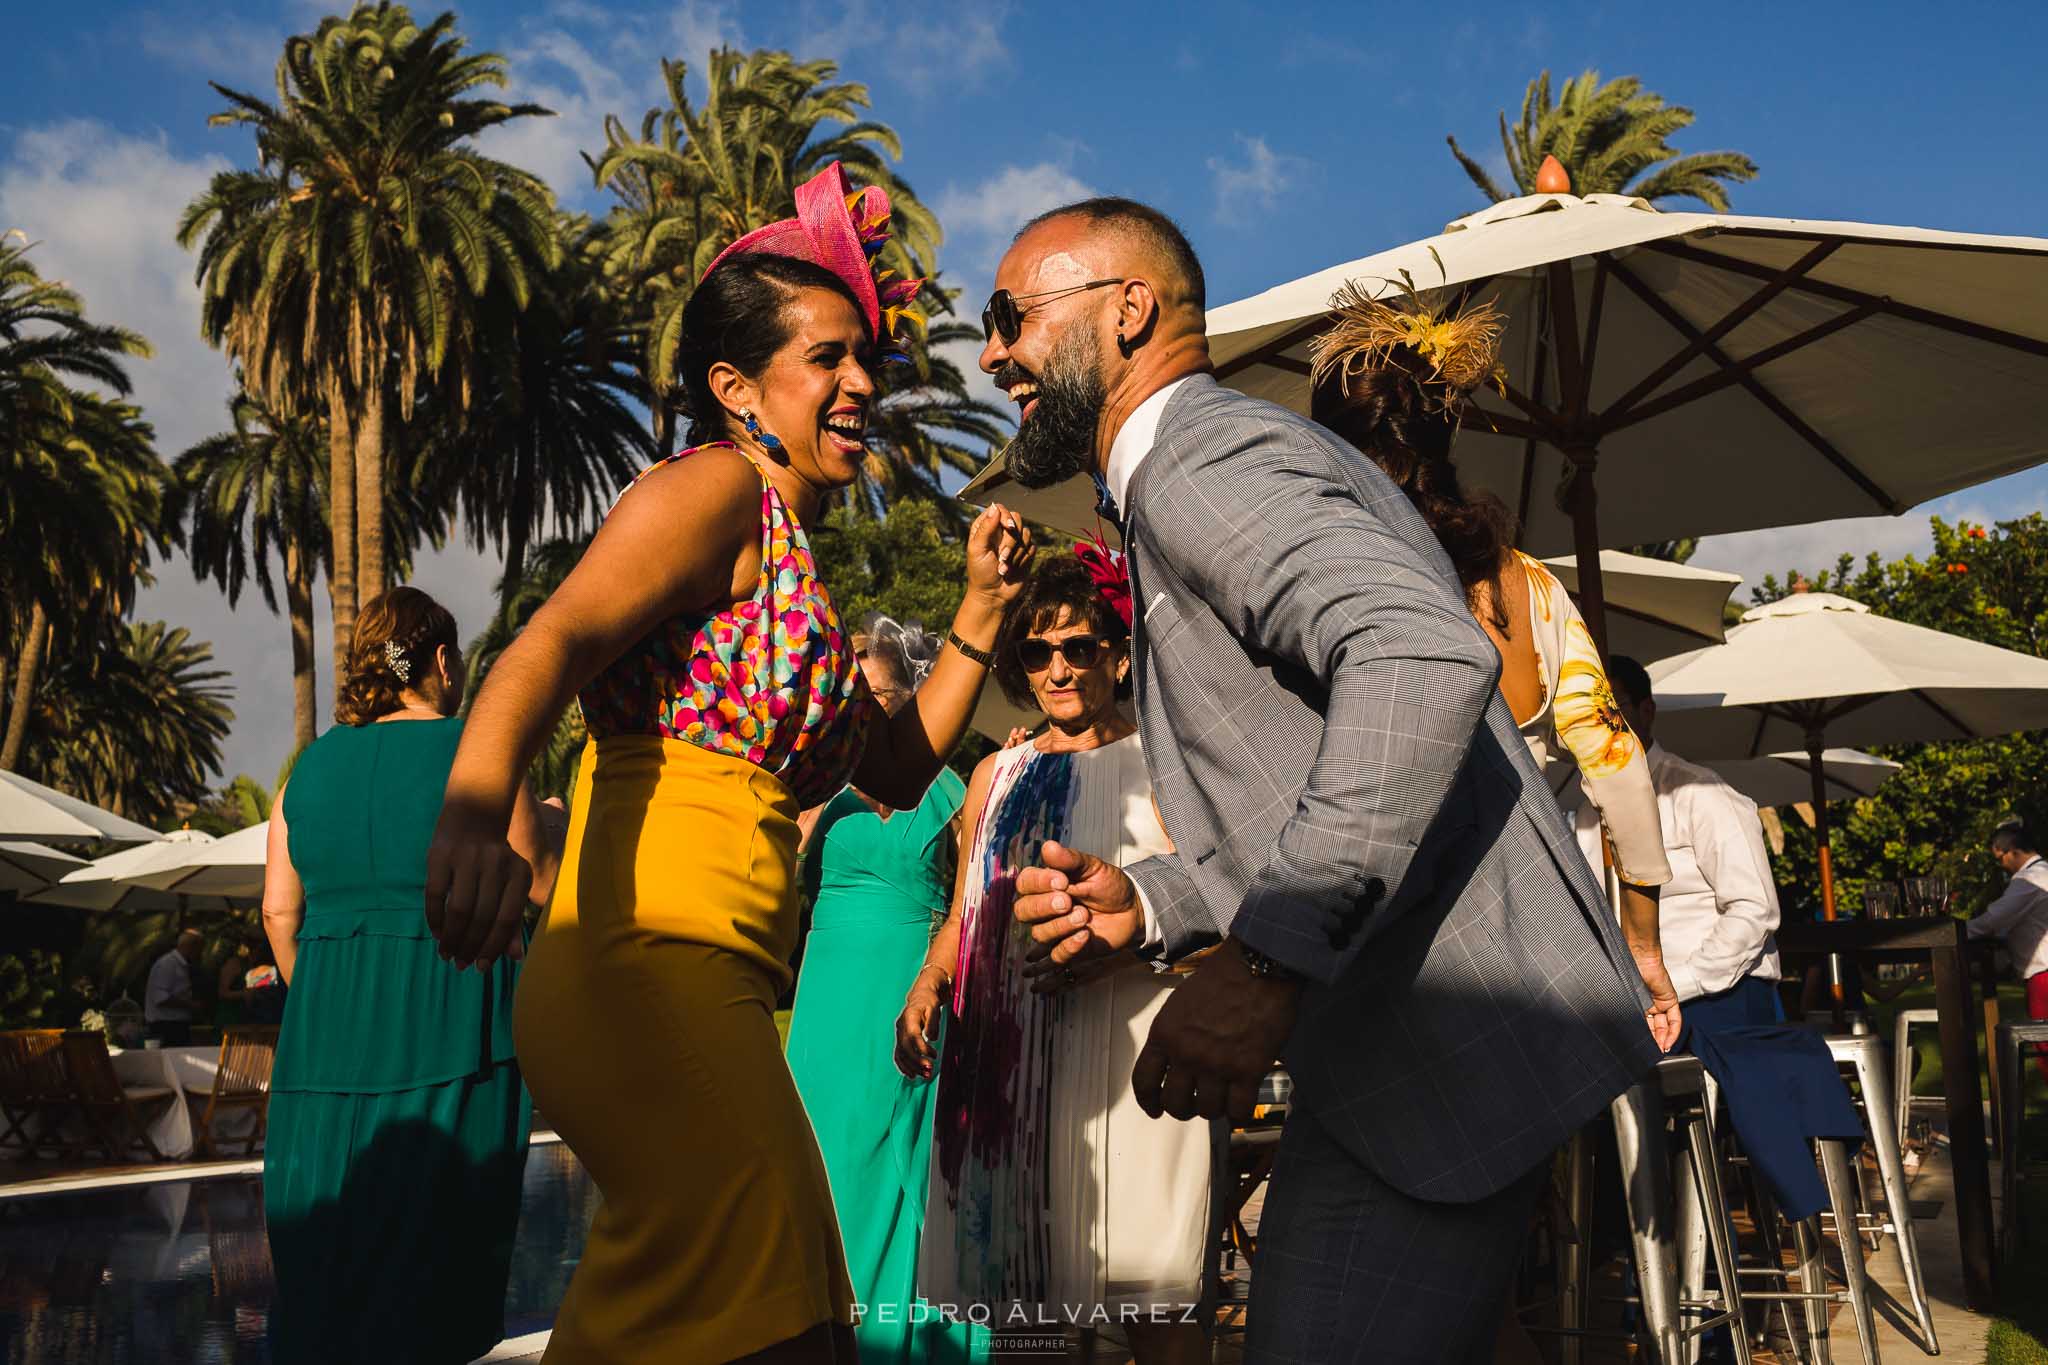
(1026, 1217)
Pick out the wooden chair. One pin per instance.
(118, 1114)
(35, 1091)
(242, 1081)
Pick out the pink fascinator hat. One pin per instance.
(844, 231)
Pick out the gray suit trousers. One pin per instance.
(1349, 1269)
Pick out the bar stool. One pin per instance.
(1676, 1094)
(1865, 1054)
(1902, 1063)
(1836, 1157)
(2013, 1040)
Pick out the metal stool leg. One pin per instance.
(1763, 1215)
(1575, 1258)
(1834, 1165)
(2012, 1073)
(1720, 1234)
(1876, 1096)
(1813, 1280)
(1646, 1180)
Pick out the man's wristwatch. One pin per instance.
(1264, 968)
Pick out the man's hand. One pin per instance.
(1078, 907)
(1214, 1040)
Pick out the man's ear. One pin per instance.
(1648, 708)
(1137, 315)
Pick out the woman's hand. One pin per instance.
(914, 1056)
(999, 551)
(477, 886)
(1665, 1022)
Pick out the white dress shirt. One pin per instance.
(171, 976)
(1717, 913)
(2020, 917)
(1133, 442)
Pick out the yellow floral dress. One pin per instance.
(1579, 728)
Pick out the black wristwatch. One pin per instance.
(1264, 968)
(980, 656)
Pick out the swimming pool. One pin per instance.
(179, 1271)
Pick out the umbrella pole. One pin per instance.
(1584, 505)
(1815, 746)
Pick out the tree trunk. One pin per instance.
(341, 525)
(24, 687)
(515, 562)
(298, 601)
(664, 426)
(370, 497)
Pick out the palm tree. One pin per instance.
(554, 769)
(1611, 139)
(82, 511)
(697, 180)
(46, 473)
(255, 492)
(135, 723)
(346, 270)
(924, 420)
(551, 434)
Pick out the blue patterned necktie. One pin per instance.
(1105, 504)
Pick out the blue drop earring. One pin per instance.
(767, 441)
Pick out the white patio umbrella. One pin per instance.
(1787, 779)
(229, 866)
(29, 810)
(1655, 607)
(1722, 372)
(1814, 667)
(110, 883)
(31, 867)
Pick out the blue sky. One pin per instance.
(1285, 138)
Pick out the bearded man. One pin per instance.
(1403, 915)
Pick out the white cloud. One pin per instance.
(1261, 178)
(103, 206)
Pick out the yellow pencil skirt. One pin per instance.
(645, 1027)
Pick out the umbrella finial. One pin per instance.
(1801, 585)
(1551, 177)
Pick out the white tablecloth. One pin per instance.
(181, 1069)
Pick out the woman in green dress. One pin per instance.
(398, 1122)
(878, 881)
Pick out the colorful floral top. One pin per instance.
(772, 680)
(1579, 716)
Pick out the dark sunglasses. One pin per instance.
(1080, 651)
(1001, 317)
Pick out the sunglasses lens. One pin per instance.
(1081, 651)
(1034, 654)
(988, 322)
(1002, 314)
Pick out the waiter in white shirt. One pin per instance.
(1718, 912)
(2020, 917)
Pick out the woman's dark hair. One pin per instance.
(396, 634)
(1059, 586)
(1401, 422)
(739, 315)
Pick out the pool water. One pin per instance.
(179, 1271)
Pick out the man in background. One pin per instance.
(1718, 913)
(170, 1003)
(2020, 916)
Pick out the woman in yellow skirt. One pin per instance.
(722, 697)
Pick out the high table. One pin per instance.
(1943, 943)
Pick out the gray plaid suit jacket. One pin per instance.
(1347, 794)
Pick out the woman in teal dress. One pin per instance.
(398, 1122)
(878, 881)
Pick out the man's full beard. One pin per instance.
(1058, 442)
